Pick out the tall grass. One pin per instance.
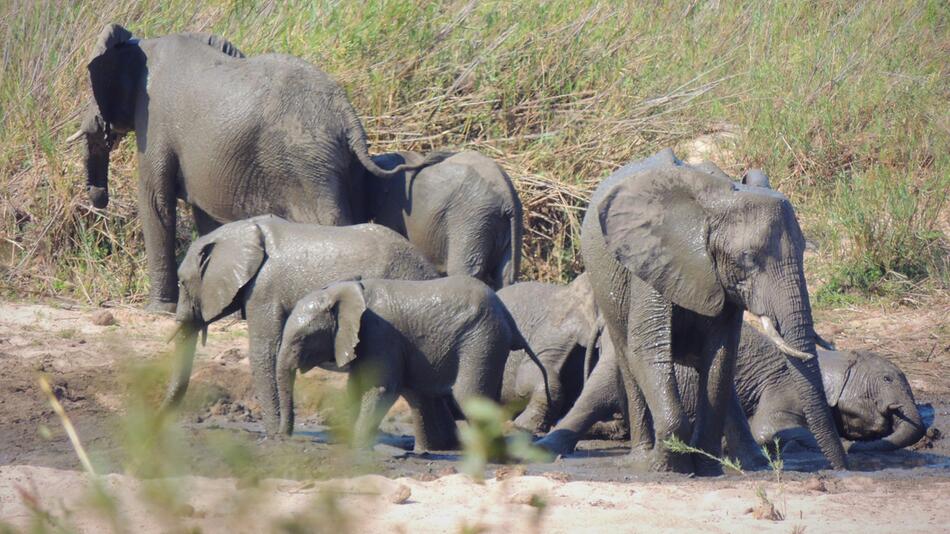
(844, 104)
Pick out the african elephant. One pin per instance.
(463, 213)
(232, 137)
(561, 324)
(428, 341)
(262, 266)
(870, 397)
(675, 255)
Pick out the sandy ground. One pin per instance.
(294, 482)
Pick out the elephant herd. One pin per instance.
(386, 267)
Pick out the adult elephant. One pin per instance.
(675, 254)
(232, 137)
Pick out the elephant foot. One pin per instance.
(436, 443)
(161, 307)
(707, 467)
(531, 423)
(559, 442)
(646, 459)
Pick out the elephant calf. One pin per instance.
(561, 323)
(262, 267)
(463, 213)
(871, 400)
(423, 340)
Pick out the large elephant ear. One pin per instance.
(226, 265)
(114, 75)
(836, 367)
(348, 307)
(655, 224)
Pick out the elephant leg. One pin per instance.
(157, 203)
(371, 403)
(537, 416)
(203, 222)
(598, 401)
(716, 390)
(265, 327)
(433, 423)
(738, 438)
(650, 359)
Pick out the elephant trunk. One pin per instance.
(186, 341)
(796, 328)
(907, 426)
(96, 159)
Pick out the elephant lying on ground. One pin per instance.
(561, 325)
(427, 341)
(232, 137)
(462, 213)
(675, 255)
(870, 399)
(262, 266)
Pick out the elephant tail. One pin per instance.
(356, 139)
(511, 267)
(186, 341)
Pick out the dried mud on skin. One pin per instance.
(82, 352)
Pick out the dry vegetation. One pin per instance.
(844, 104)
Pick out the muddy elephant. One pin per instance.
(463, 213)
(869, 397)
(232, 137)
(871, 400)
(562, 325)
(675, 255)
(434, 342)
(261, 267)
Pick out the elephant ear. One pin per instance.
(836, 368)
(226, 265)
(655, 224)
(114, 72)
(349, 304)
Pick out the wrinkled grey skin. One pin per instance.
(232, 137)
(561, 324)
(869, 396)
(675, 254)
(262, 266)
(428, 341)
(872, 402)
(462, 213)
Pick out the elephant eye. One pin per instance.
(888, 379)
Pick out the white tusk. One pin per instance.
(75, 137)
(821, 342)
(782, 345)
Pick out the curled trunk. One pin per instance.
(907, 426)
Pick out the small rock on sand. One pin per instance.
(102, 318)
(400, 495)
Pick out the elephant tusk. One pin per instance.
(823, 343)
(782, 345)
(895, 407)
(175, 332)
(75, 137)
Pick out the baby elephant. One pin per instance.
(426, 341)
(562, 324)
(463, 213)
